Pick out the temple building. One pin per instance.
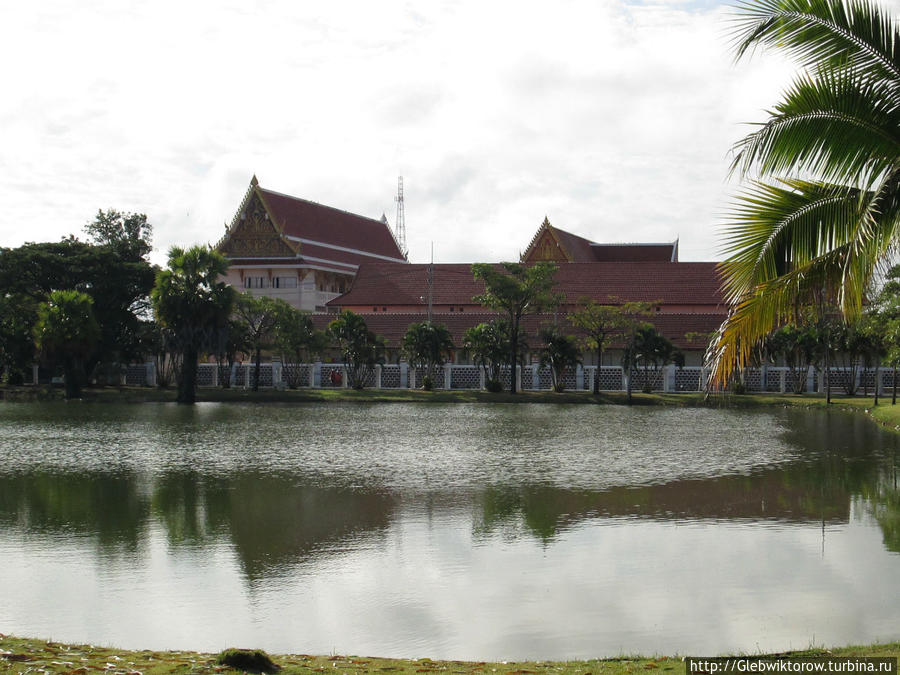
(686, 297)
(300, 251)
(324, 260)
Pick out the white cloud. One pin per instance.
(612, 119)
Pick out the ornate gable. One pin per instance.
(545, 246)
(253, 233)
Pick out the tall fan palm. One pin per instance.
(818, 231)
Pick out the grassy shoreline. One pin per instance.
(20, 655)
(885, 414)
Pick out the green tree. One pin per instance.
(65, 333)
(652, 351)
(427, 346)
(193, 303)
(488, 344)
(600, 324)
(129, 234)
(259, 316)
(826, 217)
(230, 340)
(18, 314)
(796, 346)
(296, 336)
(633, 321)
(360, 348)
(516, 290)
(119, 286)
(560, 352)
(884, 321)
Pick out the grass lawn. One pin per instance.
(21, 655)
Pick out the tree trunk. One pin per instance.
(827, 378)
(73, 379)
(187, 387)
(877, 374)
(597, 374)
(514, 356)
(256, 368)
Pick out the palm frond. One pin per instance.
(770, 304)
(776, 228)
(838, 125)
(858, 34)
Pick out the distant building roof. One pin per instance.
(692, 283)
(312, 223)
(552, 243)
(270, 226)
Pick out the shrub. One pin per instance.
(494, 386)
(427, 383)
(248, 660)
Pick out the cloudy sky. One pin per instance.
(614, 118)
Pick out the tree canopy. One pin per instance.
(515, 290)
(65, 333)
(190, 300)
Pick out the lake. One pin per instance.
(448, 531)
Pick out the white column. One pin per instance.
(579, 377)
(448, 373)
(404, 375)
(481, 378)
(535, 377)
(345, 381)
(412, 378)
(149, 378)
(315, 377)
(782, 384)
(518, 377)
(378, 376)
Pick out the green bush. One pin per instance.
(494, 386)
(248, 660)
(427, 383)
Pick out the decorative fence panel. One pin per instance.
(390, 377)
(297, 374)
(136, 375)
(687, 379)
(465, 377)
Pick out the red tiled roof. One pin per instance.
(303, 219)
(633, 252)
(694, 284)
(578, 248)
(394, 326)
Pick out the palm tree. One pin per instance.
(822, 216)
(192, 301)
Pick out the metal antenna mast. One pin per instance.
(400, 226)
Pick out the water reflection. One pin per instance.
(419, 517)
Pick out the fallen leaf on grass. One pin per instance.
(16, 657)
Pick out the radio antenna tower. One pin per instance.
(400, 225)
